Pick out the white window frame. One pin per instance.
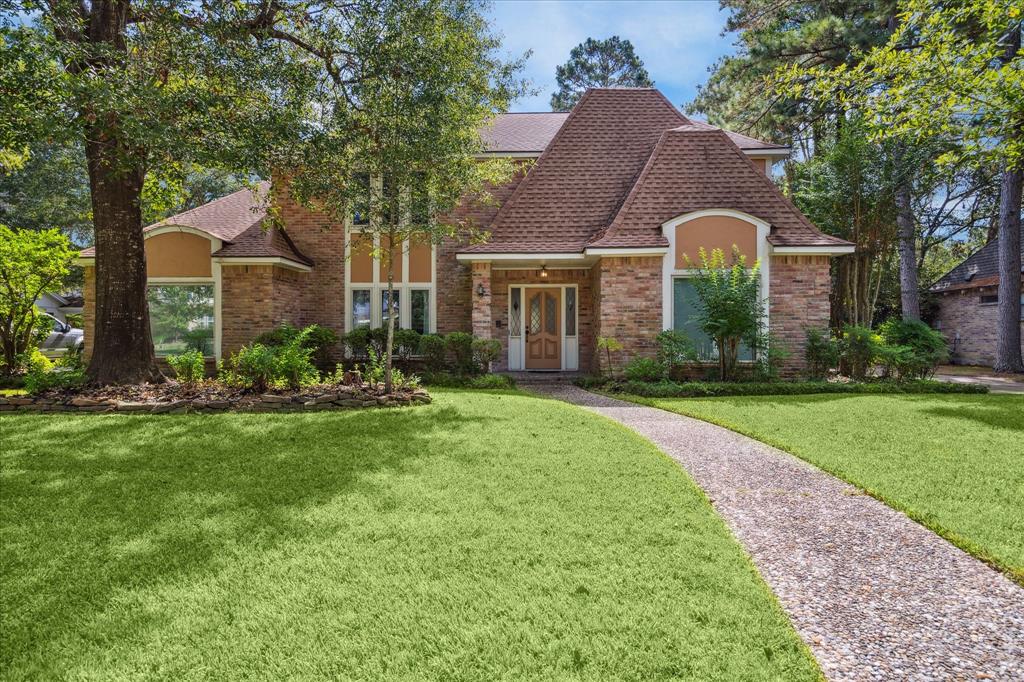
(570, 360)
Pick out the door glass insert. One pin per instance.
(535, 314)
(515, 313)
(570, 312)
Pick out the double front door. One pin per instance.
(543, 328)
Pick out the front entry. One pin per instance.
(543, 329)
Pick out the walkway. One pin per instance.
(874, 594)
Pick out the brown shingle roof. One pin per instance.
(522, 133)
(697, 167)
(981, 268)
(237, 220)
(624, 162)
(581, 178)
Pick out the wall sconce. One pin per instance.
(480, 290)
(543, 271)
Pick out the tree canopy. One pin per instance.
(598, 64)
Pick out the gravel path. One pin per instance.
(874, 594)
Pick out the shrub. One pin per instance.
(485, 352)
(460, 347)
(406, 344)
(699, 389)
(434, 349)
(375, 369)
(188, 367)
(357, 342)
(485, 381)
(770, 354)
(319, 340)
(293, 366)
(38, 380)
(858, 350)
(644, 369)
(73, 358)
(821, 353)
(609, 345)
(253, 366)
(922, 348)
(674, 348)
(199, 339)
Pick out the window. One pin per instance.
(570, 311)
(419, 314)
(990, 299)
(384, 308)
(361, 208)
(360, 308)
(420, 208)
(685, 309)
(181, 317)
(515, 313)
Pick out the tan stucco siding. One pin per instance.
(178, 254)
(714, 232)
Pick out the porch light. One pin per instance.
(543, 271)
(480, 290)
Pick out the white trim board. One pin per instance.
(836, 250)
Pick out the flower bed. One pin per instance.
(708, 389)
(174, 398)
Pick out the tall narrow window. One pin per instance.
(360, 308)
(570, 311)
(515, 313)
(361, 204)
(419, 317)
(385, 311)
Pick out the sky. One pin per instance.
(677, 40)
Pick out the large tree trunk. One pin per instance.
(122, 347)
(1008, 356)
(909, 297)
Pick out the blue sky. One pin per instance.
(677, 41)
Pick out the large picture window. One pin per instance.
(686, 308)
(181, 318)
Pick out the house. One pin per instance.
(60, 305)
(590, 240)
(967, 307)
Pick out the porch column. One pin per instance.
(482, 314)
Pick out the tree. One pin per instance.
(31, 262)
(951, 71)
(730, 307)
(145, 85)
(598, 64)
(404, 151)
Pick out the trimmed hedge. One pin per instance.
(699, 389)
(481, 381)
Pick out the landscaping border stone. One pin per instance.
(345, 398)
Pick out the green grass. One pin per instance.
(955, 463)
(488, 536)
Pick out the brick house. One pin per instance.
(590, 240)
(967, 307)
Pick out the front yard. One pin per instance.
(953, 462)
(485, 536)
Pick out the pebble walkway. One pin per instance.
(875, 595)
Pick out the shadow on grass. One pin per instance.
(97, 506)
(1006, 414)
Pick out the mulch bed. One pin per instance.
(175, 398)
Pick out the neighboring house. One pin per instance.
(591, 241)
(967, 307)
(60, 305)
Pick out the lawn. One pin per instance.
(953, 462)
(486, 536)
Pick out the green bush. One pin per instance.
(699, 389)
(199, 339)
(318, 339)
(914, 349)
(821, 353)
(253, 366)
(434, 350)
(644, 369)
(674, 349)
(188, 367)
(485, 353)
(483, 382)
(859, 348)
(38, 380)
(460, 348)
(293, 365)
(406, 344)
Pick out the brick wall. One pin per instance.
(969, 326)
(798, 300)
(499, 305)
(247, 304)
(629, 309)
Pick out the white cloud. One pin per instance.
(676, 40)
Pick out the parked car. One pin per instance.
(61, 338)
